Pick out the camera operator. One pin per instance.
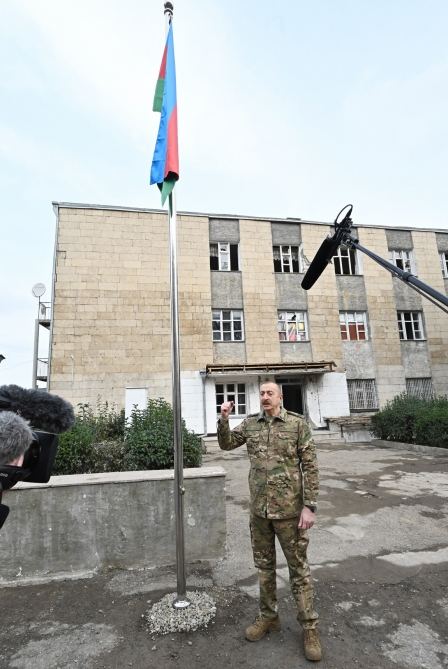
(28, 454)
(15, 439)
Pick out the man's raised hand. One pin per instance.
(226, 408)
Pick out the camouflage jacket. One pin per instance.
(283, 474)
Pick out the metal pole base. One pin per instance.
(181, 603)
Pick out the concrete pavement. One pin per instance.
(379, 557)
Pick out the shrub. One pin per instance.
(396, 421)
(413, 420)
(103, 442)
(83, 449)
(431, 426)
(149, 439)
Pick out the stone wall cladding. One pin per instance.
(435, 320)
(226, 290)
(416, 359)
(442, 241)
(111, 313)
(231, 352)
(290, 294)
(382, 317)
(224, 230)
(398, 239)
(358, 359)
(323, 312)
(195, 304)
(351, 293)
(406, 298)
(286, 233)
(260, 307)
(111, 286)
(296, 351)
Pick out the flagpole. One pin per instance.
(181, 600)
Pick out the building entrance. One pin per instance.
(292, 396)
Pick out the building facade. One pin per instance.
(352, 342)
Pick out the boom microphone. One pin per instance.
(327, 249)
(47, 412)
(323, 256)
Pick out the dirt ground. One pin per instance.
(380, 563)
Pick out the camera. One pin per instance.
(49, 415)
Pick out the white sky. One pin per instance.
(284, 110)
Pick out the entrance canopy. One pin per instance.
(283, 368)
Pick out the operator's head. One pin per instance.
(271, 398)
(15, 438)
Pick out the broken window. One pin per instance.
(353, 325)
(292, 326)
(410, 325)
(444, 264)
(403, 259)
(224, 257)
(345, 261)
(286, 259)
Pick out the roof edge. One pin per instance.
(106, 207)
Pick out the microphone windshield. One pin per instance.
(43, 410)
(323, 256)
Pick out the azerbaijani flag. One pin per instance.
(165, 162)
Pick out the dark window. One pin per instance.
(231, 392)
(224, 257)
(234, 257)
(345, 261)
(286, 259)
(410, 325)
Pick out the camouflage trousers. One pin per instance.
(294, 543)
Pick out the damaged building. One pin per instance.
(355, 340)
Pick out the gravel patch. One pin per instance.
(162, 618)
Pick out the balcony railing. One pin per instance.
(42, 369)
(45, 311)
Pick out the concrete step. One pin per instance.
(320, 436)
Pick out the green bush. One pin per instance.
(149, 439)
(396, 421)
(103, 442)
(431, 426)
(95, 442)
(413, 420)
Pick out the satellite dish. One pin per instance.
(38, 289)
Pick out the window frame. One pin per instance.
(346, 254)
(406, 259)
(224, 250)
(287, 259)
(367, 390)
(402, 322)
(345, 322)
(233, 396)
(444, 263)
(300, 317)
(233, 317)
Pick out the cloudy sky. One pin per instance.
(285, 109)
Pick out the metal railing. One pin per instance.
(42, 368)
(44, 311)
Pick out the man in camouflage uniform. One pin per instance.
(283, 484)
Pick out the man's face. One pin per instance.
(270, 397)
